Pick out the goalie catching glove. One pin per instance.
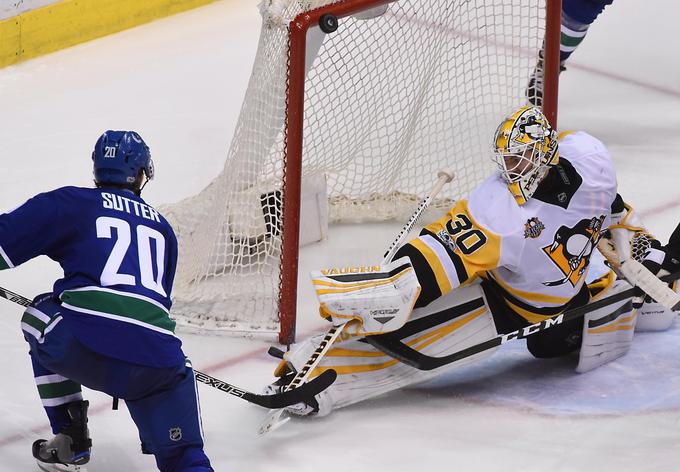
(380, 298)
(659, 261)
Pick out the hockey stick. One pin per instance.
(273, 420)
(279, 400)
(638, 275)
(391, 344)
(444, 177)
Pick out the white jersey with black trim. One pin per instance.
(537, 253)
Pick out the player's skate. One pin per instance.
(70, 449)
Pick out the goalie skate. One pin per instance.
(60, 467)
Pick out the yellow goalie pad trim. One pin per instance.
(619, 325)
(418, 343)
(339, 287)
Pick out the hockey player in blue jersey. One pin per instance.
(106, 323)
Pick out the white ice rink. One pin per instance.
(180, 82)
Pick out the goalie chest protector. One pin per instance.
(545, 245)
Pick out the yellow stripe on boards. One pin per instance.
(10, 41)
(70, 22)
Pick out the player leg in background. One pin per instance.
(162, 401)
(577, 16)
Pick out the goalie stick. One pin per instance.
(279, 400)
(273, 420)
(638, 275)
(392, 345)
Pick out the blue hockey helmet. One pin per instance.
(118, 157)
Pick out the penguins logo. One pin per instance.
(571, 249)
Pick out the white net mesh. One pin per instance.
(389, 100)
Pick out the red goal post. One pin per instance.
(477, 56)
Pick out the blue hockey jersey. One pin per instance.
(119, 257)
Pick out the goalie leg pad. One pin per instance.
(381, 297)
(607, 332)
(449, 324)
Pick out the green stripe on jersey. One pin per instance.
(58, 389)
(3, 263)
(33, 321)
(120, 305)
(570, 41)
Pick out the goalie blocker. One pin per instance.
(379, 297)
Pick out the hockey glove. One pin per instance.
(659, 261)
(381, 297)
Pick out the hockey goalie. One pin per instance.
(516, 252)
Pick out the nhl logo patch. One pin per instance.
(533, 228)
(175, 434)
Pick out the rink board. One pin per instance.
(70, 22)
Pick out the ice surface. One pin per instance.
(180, 82)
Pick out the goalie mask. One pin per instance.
(525, 147)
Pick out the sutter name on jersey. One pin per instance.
(117, 202)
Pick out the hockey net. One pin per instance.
(400, 90)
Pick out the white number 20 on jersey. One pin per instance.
(144, 235)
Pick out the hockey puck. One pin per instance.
(328, 23)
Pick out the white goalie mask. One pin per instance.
(525, 147)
